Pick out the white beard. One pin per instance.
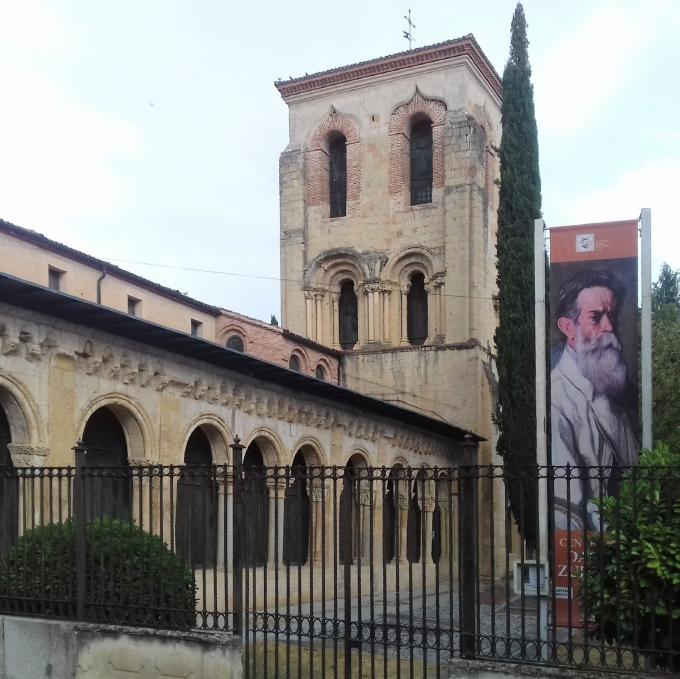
(601, 361)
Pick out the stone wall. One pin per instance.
(32, 648)
(54, 375)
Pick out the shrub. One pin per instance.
(131, 577)
(632, 588)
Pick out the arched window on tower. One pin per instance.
(421, 162)
(416, 310)
(320, 372)
(348, 310)
(337, 177)
(294, 363)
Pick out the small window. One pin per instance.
(320, 372)
(349, 316)
(133, 306)
(196, 328)
(294, 363)
(235, 343)
(337, 176)
(421, 163)
(54, 278)
(416, 310)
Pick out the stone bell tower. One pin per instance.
(388, 225)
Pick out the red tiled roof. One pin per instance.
(465, 46)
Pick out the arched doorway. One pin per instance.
(9, 489)
(390, 515)
(414, 530)
(255, 507)
(296, 515)
(196, 511)
(107, 483)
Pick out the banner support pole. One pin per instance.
(541, 433)
(646, 329)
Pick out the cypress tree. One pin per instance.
(519, 205)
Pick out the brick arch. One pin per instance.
(401, 121)
(317, 157)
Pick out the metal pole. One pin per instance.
(237, 533)
(646, 352)
(468, 562)
(79, 518)
(541, 407)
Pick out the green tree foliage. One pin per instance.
(131, 577)
(666, 357)
(519, 206)
(631, 583)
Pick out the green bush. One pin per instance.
(131, 577)
(632, 584)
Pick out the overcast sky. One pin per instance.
(150, 130)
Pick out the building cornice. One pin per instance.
(466, 46)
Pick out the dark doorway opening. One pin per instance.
(196, 513)
(390, 513)
(107, 480)
(414, 528)
(296, 515)
(349, 514)
(9, 489)
(255, 506)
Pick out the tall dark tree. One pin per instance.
(519, 206)
(666, 357)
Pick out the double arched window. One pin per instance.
(337, 177)
(421, 162)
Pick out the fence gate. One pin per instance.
(346, 572)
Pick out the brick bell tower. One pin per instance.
(388, 225)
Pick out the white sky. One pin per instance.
(150, 130)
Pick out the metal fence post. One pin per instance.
(237, 533)
(468, 551)
(79, 525)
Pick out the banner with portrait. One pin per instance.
(594, 387)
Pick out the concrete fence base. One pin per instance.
(33, 648)
(484, 669)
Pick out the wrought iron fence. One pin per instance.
(340, 571)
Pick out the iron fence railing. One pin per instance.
(343, 570)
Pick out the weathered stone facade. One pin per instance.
(54, 375)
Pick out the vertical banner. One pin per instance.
(594, 381)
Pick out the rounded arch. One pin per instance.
(132, 418)
(359, 458)
(418, 108)
(330, 268)
(327, 367)
(332, 126)
(403, 264)
(312, 451)
(302, 357)
(22, 413)
(217, 432)
(270, 446)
